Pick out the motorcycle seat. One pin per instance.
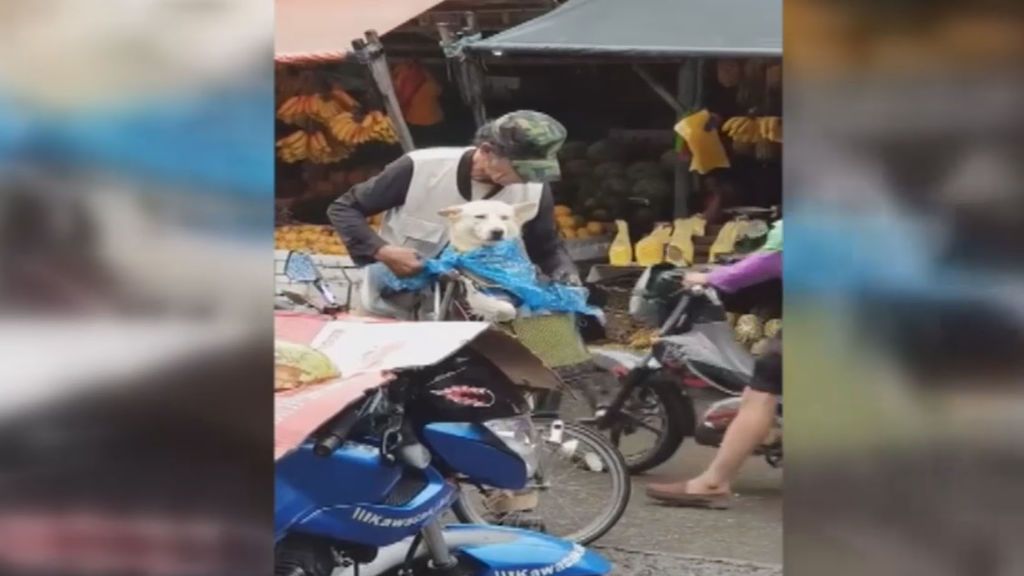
(712, 352)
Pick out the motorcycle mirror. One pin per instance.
(299, 267)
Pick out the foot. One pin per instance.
(692, 493)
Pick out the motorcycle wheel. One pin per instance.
(593, 455)
(652, 425)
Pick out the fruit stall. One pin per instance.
(674, 111)
(633, 192)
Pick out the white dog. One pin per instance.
(481, 223)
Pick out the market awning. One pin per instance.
(647, 28)
(311, 30)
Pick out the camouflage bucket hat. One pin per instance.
(531, 140)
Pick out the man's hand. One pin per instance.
(402, 261)
(695, 279)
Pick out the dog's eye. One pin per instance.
(480, 217)
(504, 218)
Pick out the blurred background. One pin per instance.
(136, 184)
(904, 287)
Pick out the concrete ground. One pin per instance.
(749, 531)
(629, 563)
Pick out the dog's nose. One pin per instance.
(497, 234)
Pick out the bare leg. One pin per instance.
(747, 432)
(750, 428)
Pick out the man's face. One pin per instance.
(498, 169)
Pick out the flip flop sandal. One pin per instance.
(706, 501)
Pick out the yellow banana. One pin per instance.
(729, 125)
(776, 133)
(747, 131)
(343, 131)
(346, 101)
(287, 109)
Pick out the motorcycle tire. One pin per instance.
(680, 421)
(614, 466)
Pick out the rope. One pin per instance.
(457, 49)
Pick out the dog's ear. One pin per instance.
(451, 212)
(525, 211)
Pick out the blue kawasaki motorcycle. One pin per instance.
(365, 494)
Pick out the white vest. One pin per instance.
(434, 187)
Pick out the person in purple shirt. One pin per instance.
(758, 267)
(713, 487)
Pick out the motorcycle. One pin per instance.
(593, 489)
(695, 357)
(600, 482)
(363, 492)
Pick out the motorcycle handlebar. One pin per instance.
(336, 435)
(338, 431)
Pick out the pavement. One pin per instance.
(746, 539)
(631, 563)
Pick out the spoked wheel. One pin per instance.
(651, 425)
(581, 490)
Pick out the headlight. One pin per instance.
(519, 435)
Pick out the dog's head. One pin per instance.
(484, 222)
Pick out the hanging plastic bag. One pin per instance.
(705, 146)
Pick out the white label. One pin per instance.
(570, 559)
(374, 519)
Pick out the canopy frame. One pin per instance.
(370, 51)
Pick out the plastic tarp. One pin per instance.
(648, 28)
(324, 29)
(505, 266)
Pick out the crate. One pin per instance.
(554, 338)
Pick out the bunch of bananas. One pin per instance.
(336, 110)
(770, 128)
(318, 107)
(322, 151)
(373, 126)
(315, 147)
(748, 130)
(294, 147)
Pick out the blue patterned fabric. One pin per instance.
(503, 264)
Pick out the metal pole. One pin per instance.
(689, 96)
(371, 53)
(444, 29)
(658, 89)
(475, 75)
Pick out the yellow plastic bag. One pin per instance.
(680, 250)
(651, 249)
(620, 253)
(705, 146)
(296, 366)
(725, 243)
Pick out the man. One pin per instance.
(512, 160)
(756, 416)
